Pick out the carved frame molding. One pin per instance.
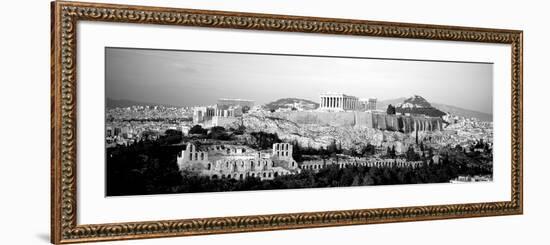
(65, 16)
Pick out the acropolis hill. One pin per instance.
(341, 110)
(376, 120)
(319, 129)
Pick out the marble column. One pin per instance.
(347, 104)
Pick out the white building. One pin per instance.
(338, 102)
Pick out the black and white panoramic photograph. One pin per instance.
(191, 121)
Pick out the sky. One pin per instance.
(190, 78)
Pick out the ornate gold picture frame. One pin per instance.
(64, 40)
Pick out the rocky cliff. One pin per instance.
(351, 130)
(406, 124)
(382, 121)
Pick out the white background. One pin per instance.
(25, 121)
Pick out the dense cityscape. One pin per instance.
(341, 140)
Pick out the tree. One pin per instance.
(171, 137)
(411, 155)
(332, 148)
(430, 152)
(149, 134)
(172, 132)
(240, 130)
(263, 140)
(368, 150)
(245, 109)
(356, 180)
(390, 152)
(390, 110)
(368, 180)
(218, 133)
(197, 129)
(297, 151)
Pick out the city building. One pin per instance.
(468, 179)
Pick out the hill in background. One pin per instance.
(454, 110)
(418, 105)
(464, 112)
(289, 103)
(112, 103)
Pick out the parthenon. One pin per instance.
(338, 102)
